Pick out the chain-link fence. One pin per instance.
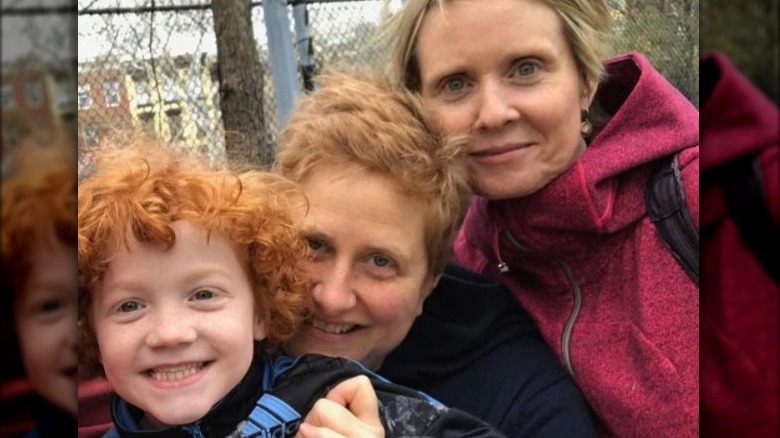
(667, 31)
(149, 67)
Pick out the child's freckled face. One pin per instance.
(45, 315)
(175, 328)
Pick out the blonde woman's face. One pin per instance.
(502, 71)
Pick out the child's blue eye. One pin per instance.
(129, 306)
(203, 294)
(50, 306)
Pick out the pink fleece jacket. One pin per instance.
(590, 267)
(741, 301)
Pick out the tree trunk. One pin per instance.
(240, 83)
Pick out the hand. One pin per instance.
(350, 410)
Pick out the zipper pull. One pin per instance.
(502, 266)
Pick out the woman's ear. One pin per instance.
(428, 285)
(589, 89)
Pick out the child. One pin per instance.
(188, 280)
(38, 256)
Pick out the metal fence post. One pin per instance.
(280, 50)
(303, 37)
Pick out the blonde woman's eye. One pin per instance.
(454, 84)
(526, 68)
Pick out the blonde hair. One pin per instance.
(365, 123)
(144, 188)
(586, 25)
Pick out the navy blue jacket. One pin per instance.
(275, 396)
(474, 349)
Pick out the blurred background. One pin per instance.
(39, 59)
(38, 71)
(746, 31)
(153, 66)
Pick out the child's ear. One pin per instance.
(260, 331)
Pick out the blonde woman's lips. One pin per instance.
(498, 154)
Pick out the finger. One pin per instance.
(358, 395)
(308, 431)
(333, 416)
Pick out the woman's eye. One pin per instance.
(203, 294)
(526, 68)
(380, 261)
(454, 84)
(315, 245)
(129, 306)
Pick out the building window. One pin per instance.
(111, 89)
(8, 96)
(147, 124)
(142, 96)
(64, 93)
(169, 90)
(11, 135)
(196, 86)
(91, 135)
(84, 96)
(174, 123)
(33, 91)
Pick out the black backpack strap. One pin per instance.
(748, 206)
(669, 212)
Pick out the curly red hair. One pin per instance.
(143, 189)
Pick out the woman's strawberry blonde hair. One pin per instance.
(141, 190)
(360, 119)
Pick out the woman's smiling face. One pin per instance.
(502, 71)
(370, 265)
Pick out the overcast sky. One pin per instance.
(182, 32)
(50, 36)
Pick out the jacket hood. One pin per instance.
(737, 119)
(603, 192)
